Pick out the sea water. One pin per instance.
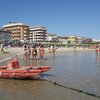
(72, 70)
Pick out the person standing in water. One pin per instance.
(97, 50)
(41, 52)
(2, 48)
(29, 52)
(25, 52)
(50, 51)
(34, 52)
(53, 50)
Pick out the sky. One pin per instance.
(61, 17)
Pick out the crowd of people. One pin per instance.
(34, 52)
(52, 49)
(28, 51)
(31, 50)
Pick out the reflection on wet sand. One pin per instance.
(34, 63)
(42, 62)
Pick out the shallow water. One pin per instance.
(79, 70)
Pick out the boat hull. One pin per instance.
(14, 71)
(26, 72)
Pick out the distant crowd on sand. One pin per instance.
(34, 52)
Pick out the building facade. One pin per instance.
(72, 39)
(63, 40)
(19, 31)
(38, 34)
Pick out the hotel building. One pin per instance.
(38, 34)
(19, 31)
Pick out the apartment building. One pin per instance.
(38, 34)
(19, 31)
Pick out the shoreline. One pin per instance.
(16, 50)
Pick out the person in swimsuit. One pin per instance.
(2, 48)
(34, 52)
(41, 52)
(29, 52)
(53, 50)
(97, 49)
(50, 51)
(25, 52)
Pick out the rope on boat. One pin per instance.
(70, 88)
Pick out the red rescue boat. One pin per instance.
(14, 71)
